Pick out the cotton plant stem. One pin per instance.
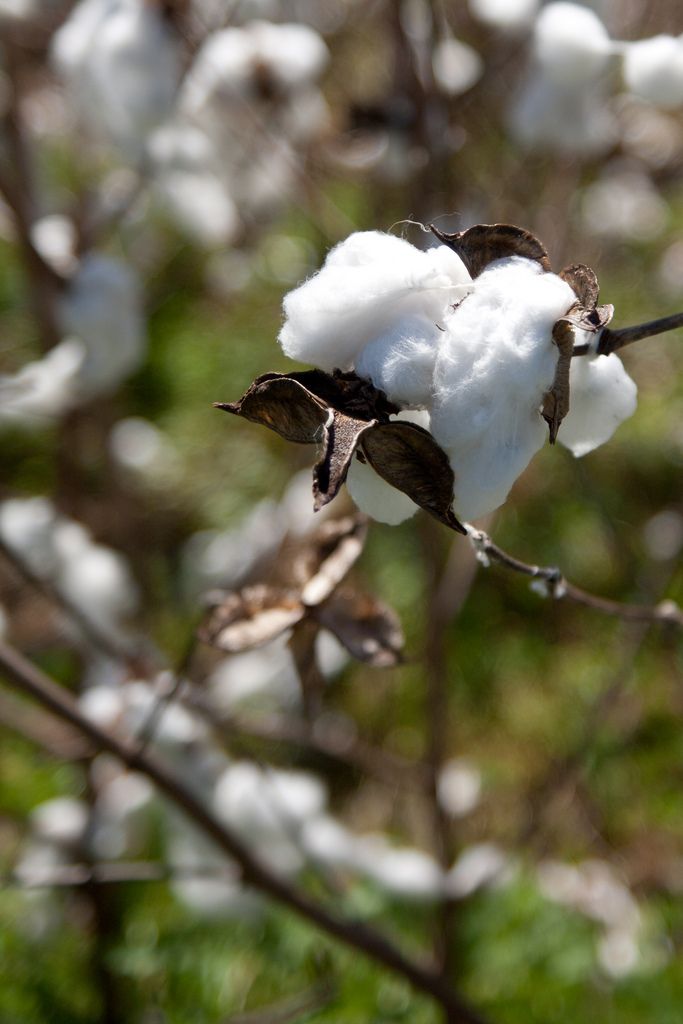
(100, 639)
(612, 339)
(558, 587)
(26, 677)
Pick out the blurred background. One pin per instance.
(507, 798)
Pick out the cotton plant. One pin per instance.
(120, 62)
(95, 578)
(475, 336)
(249, 103)
(566, 101)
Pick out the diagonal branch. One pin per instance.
(554, 584)
(355, 934)
(611, 339)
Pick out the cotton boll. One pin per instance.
(294, 54)
(368, 282)
(27, 527)
(564, 117)
(61, 821)
(626, 205)
(45, 389)
(103, 308)
(570, 43)
(653, 70)
(458, 787)
(94, 577)
(602, 396)
(506, 15)
(103, 705)
(54, 237)
(139, 445)
(456, 66)
(376, 497)
(495, 363)
(405, 873)
(400, 362)
(122, 65)
(477, 866)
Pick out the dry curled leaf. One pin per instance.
(251, 617)
(367, 628)
(284, 405)
(342, 434)
(480, 245)
(329, 556)
(407, 457)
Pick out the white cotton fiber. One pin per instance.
(496, 361)
(366, 284)
(373, 495)
(570, 43)
(377, 498)
(400, 362)
(653, 70)
(506, 15)
(602, 396)
(456, 66)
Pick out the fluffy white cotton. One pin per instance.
(232, 62)
(377, 498)
(103, 308)
(185, 178)
(653, 70)
(602, 396)
(570, 43)
(366, 283)
(567, 117)
(458, 787)
(495, 363)
(624, 204)
(121, 63)
(507, 15)
(61, 821)
(477, 866)
(44, 389)
(403, 872)
(95, 578)
(27, 527)
(401, 360)
(373, 495)
(456, 66)
(55, 238)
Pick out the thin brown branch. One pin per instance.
(102, 640)
(614, 338)
(611, 340)
(357, 935)
(556, 585)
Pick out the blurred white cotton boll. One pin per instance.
(602, 396)
(663, 535)
(27, 527)
(367, 282)
(103, 308)
(54, 236)
(506, 15)
(96, 578)
(570, 43)
(458, 787)
(185, 178)
(495, 363)
(565, 118)
(402, 871)
(456, 66)
(231, 62)
(477, 866)
(121, 62)
(139, 445)
(62, 821)
(43, 390)
(653, 70)
(624, 204)
(175, 725)
(103, 705)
